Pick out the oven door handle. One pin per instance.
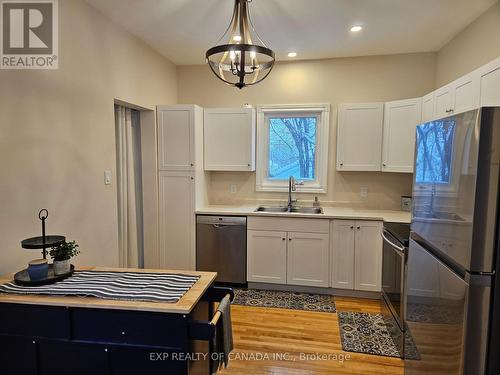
(384, 237)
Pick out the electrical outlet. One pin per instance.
(107, 177)
(364, 191)
(233, 188)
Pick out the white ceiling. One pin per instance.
(182, 30)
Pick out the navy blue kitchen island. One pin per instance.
(63, 335)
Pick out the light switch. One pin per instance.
(107, 177)
(233, 189)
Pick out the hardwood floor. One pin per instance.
(267, 333)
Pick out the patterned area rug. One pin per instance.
(369, 334)
(284, 300)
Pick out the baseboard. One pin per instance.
(316, 290)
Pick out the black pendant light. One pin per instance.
(240, 58)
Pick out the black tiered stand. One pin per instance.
(42, 242)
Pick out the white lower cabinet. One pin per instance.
(368, 256)
(356, 255)
(177, 220)
(342, 254)
(307, 259)
(266, 256)
(288, 251)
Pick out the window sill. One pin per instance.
(300, 189)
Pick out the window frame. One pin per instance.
(322, 112)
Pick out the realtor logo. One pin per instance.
(29, 34)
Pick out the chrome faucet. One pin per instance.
(292, 186)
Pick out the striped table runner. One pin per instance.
(129, 286)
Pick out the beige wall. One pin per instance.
(334, 81)
(476, 45)
(57, 135)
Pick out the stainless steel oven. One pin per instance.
(394, 257)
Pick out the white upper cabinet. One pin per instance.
(428, 107)
(459, 96)
(176, 148)
(490, 84)
(443, 102)
(229, 139)
(359, 137)
(466, 93)
(400, 121)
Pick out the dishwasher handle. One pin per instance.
(221, 221)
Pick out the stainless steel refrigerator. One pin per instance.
(453, 288)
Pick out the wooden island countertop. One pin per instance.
(183, 306)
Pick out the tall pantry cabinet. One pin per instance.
(182, 183)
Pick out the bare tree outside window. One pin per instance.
(292, 147)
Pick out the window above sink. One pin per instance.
(292, 141)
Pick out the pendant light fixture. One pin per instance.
(240, 57)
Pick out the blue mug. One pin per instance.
(38, 269)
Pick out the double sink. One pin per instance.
(293, 209)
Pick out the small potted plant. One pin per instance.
(62, 254)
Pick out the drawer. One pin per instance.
(34, 321)
(288, 224)
(130, 327)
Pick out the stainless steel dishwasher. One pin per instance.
(221, 246)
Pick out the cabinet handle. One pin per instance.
(341, 164)
(192, 164)
(359, 228)
(283, 239)
(352, 227)
(249, 165)
(384, 165)
(289, 239)
(192, 178)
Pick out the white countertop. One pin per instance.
(328, 213)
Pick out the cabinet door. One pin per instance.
(400, 121)
(466, 93)
(307, 259)
(443, 102)
(490, 84)
(62, 358)
(177, 220)
(368, 256)
(266, 256)
(229, 139)
(342, 254)
(176, 137)
(18, 355)
(428, 108)
(359, 137)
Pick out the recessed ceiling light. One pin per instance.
(292, 54)
(356, 28)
